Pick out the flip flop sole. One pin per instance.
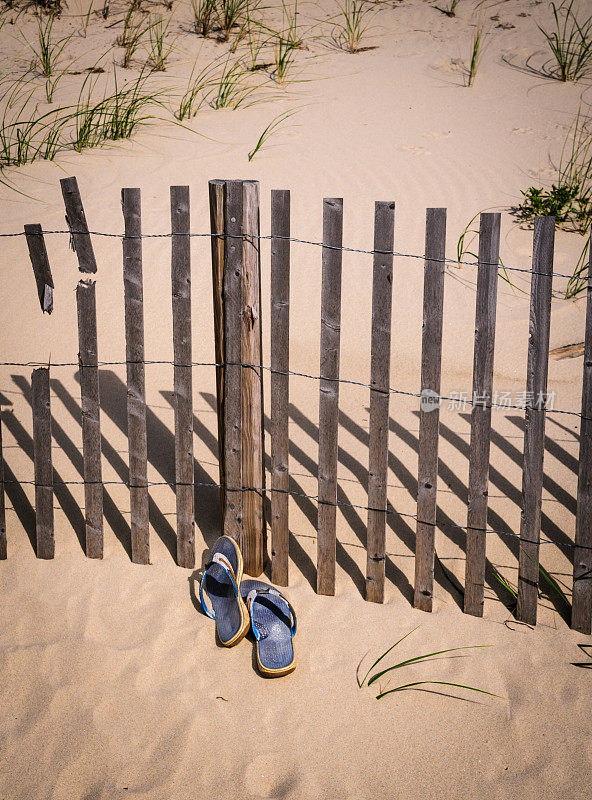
(274, 648)
(245, 622)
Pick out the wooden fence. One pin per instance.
(235, 238)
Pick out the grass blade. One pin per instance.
(440, 683)
(379, 659)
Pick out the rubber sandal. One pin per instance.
(220, 582)
(273, 621)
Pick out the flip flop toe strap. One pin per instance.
(222, 561)
(256, 595)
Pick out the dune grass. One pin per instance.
(25, 134)
(204, 16)
(570, 42)
(268, 131)
(569, 199)
(351, 23)
(476, 51)
(231, 88)
(134, 30)
(383, 691)
(116, 115)
(159, 49)
(450, 9)
(47, 52)
(197, 91)
(286, 41)
(230, 15)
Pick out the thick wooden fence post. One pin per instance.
(136, 389)
(216, 190)
(429, 415)
(382, 298)
(91, 425)
(3, 544)
(489, 235)
(76, 220)
(329, 393)
(233, 277)
(183, 389)
(280, 364)
(581, 616)
(534, 430)
(43, 463)
(253, 543)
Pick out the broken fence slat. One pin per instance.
(41, 267)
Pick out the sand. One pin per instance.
(111, 683)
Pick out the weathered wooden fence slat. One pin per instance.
(380, 362)
(183, 384)
(216, 197)
(485, 310)
(76, 220)
(43, 463)
(280, 364)
(429, 415)
(581, 617)
(233, 277)
(253, 540)
(329, 393)
(41, 267)
(91, 425)
(3, 543)
(136, 382)
(534, 423)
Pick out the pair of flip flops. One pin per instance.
(237, 605)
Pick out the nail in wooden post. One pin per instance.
(489, 236)
(216, 191)
(76, 220)
(253, 543)
(41, 268)
(429, 415)
(280, 364)
(329, 393)
(534, 431)
(136, 387)
(91, 425)
(183, 389)
(3, 545)
(43, 463)
(380, 370)
(581, 615)
(233, 284)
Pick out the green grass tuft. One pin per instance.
(570, 42)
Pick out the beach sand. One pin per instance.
(111, 683)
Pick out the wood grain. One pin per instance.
(253, 540)
(581, 617)
(329, 392)
(41, 267)
(43, 463)
(91, 424)
(485, 310)
(380, 362)
(429, 415)
(76, 220)
(534, 430)
(183, 384)
(216, 197)
(280, 387)
(233, 276)
(136, 381)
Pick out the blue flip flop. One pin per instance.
(273, 621)
(220, 581)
